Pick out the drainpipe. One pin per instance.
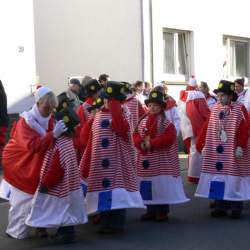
(146, 14)
(151, 42)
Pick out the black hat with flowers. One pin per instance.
(226, 87)
(65, 111)
(97, 104)
(115, 90)
(128, 87)
(156, 97)
(92, 87)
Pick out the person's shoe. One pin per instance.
(212, 204)
(218, 213)
(41, 233)
(96, 219)
(110, 230)
(64, 238)
(236, 215)
(147, 217)
(161, 217)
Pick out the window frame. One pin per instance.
(176, 77)
(227, 39)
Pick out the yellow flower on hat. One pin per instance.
(232, 87)
(122, 90)
(154, 95)
(92, 87)
(66, 119)
(220, 85)
(109, 90)
(99, 100)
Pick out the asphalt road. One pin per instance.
(190, 227)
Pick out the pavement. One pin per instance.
(190, 227)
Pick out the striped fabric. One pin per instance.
(219, 157)
(68, 160)
(133, 106)
(112, 159)
(83, 113)
(158, 162)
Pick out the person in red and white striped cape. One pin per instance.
(193, 112)
(158, 165)
(92, 89)
(225, 174)
(31, 136)
(135, 107)
(109, 168)
(171, 106)
(59, 200)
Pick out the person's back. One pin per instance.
(4, 119)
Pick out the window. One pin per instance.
(176, 51)
(236, 57)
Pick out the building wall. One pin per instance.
(208, 21)
(87, 37)
(17, 53)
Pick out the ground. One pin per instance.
(190, 227)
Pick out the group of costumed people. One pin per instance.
(62, 164)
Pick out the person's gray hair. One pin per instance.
(50, 98)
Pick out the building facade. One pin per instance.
(48, 41)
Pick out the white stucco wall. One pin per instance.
(17, 69)
(80, 37)
(208, 21)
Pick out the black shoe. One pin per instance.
(161, 217)
(41, 233)
(218, 213)
(110, 230)
(212, 204)
(64, 238)
(236, 215)
(147, 217)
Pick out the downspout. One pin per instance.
(147, 40)
(151, 42)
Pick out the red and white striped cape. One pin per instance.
(112, 165)
(219, 161)
(64, 203)
(83, 113)
(210, 154)
(136, 109)
(193, 112)
(161, 168)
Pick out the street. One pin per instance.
(190, 227)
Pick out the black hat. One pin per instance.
(227, 87)
(65, 111)
(114, 90)
(127, 87)
(92, 87)
(156, 97)
(97, 103)
(75, 82)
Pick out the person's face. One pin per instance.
(104, 82)
(154, 108)
(45, 109)
(238, 88)
(75, 88)
(203, 89)
(139, 89)
(165, 88)
(224, 99)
